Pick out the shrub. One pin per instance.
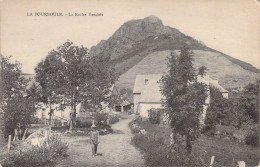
(253, 138)
(154, 116)
(208, 130)
(159, 153)
(113, 119)
(103, 128)
(38, 156)
(101, 117)
(36, 120)
(57, 122)
(84, 123)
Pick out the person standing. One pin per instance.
(94, 139)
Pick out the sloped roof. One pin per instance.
(125, 103)
(216, 84)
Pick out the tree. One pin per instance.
(216, 110)
(234, 111)
(33, 92)
(102, 78)
(47, 77)
(250, 99)
(16, 108)
(70, 76)
(184, 95)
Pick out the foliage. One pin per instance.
(234, 111)
(103, 76)
(249, 100)
(69, 76)
(16, 106)
(11, 83)
(215, 111)
(113, 119)
(157, 153)
(184, 95)
(157, 150)
(17, 111)
(38, 156)
(84, 122)
(101, 117)
(101, 123)
(155, 115)
(226, 152)
(253, 137)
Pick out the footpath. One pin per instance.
(114, 149)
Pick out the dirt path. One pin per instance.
(116, 149)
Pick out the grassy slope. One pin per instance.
(153, 43)
(229, 74)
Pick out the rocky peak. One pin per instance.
(152, 19)
(130, 33)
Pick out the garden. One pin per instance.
(157, 150)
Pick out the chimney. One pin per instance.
(145, 81)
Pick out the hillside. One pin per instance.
(230, 75)
(131, 44)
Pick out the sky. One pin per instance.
(229, 26)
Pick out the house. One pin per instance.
(147, 92)
(62, 114)
(124, 106)
(105, 105)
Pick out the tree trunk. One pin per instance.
(50, 113)
(33, 109)
(72, 112)
(71, 118)
(188, 143)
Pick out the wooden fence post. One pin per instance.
(15, 134)
(24, 134)
(241, 164)
(9, 144)
(212, 161)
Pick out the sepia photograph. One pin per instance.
(131, 83)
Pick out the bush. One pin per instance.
(57, 122)
(154, 115)
(157, 149)
(84, 123)
(253, 138)
(36, 120)
(103, 128)
(38, 156)
(101, 117)
(159, 153)
(208, 130)
(113, 119)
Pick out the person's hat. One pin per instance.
(93, 126)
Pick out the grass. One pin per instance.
(228, 74)
(226, 152)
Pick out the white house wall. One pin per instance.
(137, 98)
(144, 107)
(44, 111)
